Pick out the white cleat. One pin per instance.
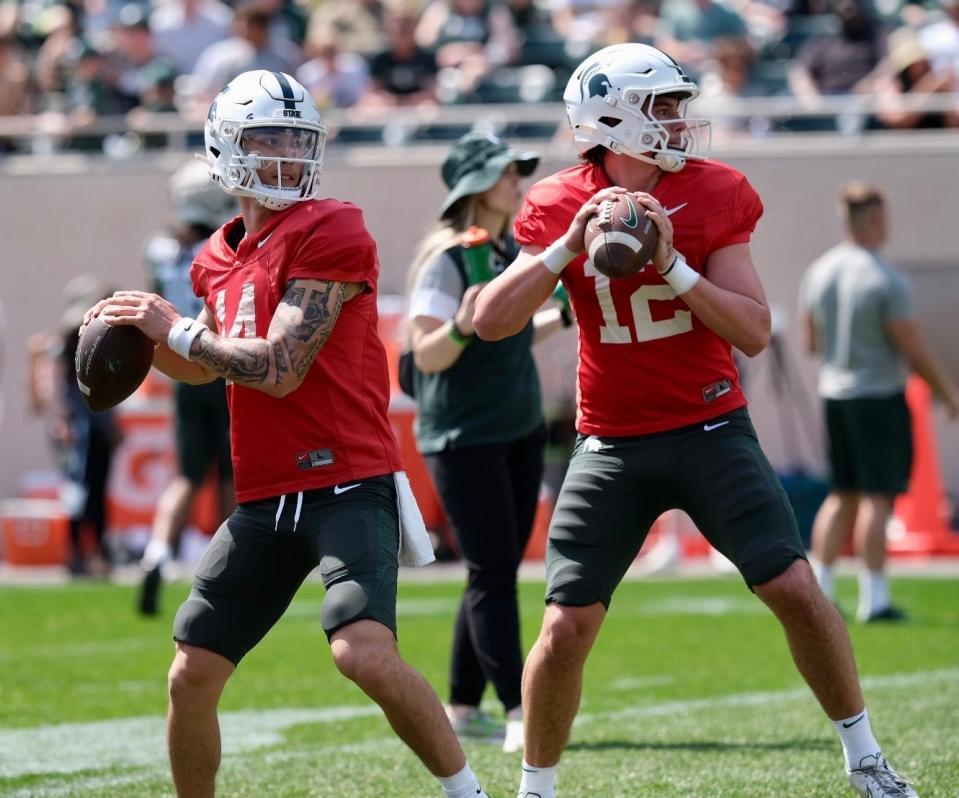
(513, 742)
(875, 778)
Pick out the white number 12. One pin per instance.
(612, 332)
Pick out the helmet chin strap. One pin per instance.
(669, 161)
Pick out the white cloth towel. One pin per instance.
(415, 546)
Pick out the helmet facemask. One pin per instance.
(263, 153)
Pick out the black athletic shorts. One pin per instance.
(870, 444)
(202, 430)
(616, 488)
(262, 553)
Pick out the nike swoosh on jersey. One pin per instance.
(337, 490)
(633, 219)
(671, 211)
(711, 427)
(263, 241)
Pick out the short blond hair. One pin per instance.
(858, 196)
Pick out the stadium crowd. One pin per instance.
(76, 61)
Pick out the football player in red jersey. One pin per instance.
(290, 321)
(662, 418)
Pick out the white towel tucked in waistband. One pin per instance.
(415, 546)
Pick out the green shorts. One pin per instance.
(870, 444)
(261, 554)
(202, 430)
(616, 488)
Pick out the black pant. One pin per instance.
(490, 495)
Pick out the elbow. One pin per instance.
(282, 389)
(489, 328)
(757, 339)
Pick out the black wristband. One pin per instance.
(566, 316)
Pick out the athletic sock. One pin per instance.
(857, 738)
(824, 576)
(537, 780)
(461, 785)
(873, 594)
(157, 553)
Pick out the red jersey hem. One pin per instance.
(713, 411)
(270, 492)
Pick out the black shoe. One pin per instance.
(890, 614)
(150, 592)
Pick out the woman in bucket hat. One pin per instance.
(480, 422)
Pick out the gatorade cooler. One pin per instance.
(35, 532)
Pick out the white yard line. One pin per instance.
(139, 742)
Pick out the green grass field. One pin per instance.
(690, 693)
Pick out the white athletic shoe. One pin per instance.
(513, 742)
(875, 778)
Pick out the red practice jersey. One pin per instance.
(334, 427)
(646, 363)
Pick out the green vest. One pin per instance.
(490, 394)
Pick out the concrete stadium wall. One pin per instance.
(64, 216)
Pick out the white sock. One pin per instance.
(873, 593)
(857, 738)
(461, 785)
(157, 553)
(824, 576)
(537, 780)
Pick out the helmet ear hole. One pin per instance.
(609, 121)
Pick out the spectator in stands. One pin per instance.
(729, 75)
(57, 55)
(586, 23)
(688, 30)
(484, 450)
(907, 72)
(251, 47)
(14, 77)
(841, 63)
(134, 56)
(182, 29)
(83, 441)
(201, 418)
(471, 38)
(335, 78)
(940, 40)
(404, 73)
(358, 24)
(860, 320)
(91, 87)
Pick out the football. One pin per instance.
(620, 239)
(111, 363)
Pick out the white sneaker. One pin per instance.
(533, 795)
(513, 741)
(875, 778)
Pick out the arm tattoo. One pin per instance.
(301, 325)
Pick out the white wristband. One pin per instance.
(680, 275)
(556, 256)
(182, 334)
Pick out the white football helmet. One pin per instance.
(609, 101)
(262, 129)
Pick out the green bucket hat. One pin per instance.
(476, 162)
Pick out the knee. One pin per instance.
(197, 677)
(566, 638)
(794, 590)
(365, 662)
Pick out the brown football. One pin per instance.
(620, 239)
(111, 363)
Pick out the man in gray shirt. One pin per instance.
(861, 322)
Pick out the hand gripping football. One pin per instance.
(620, 239)
(111, 363)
